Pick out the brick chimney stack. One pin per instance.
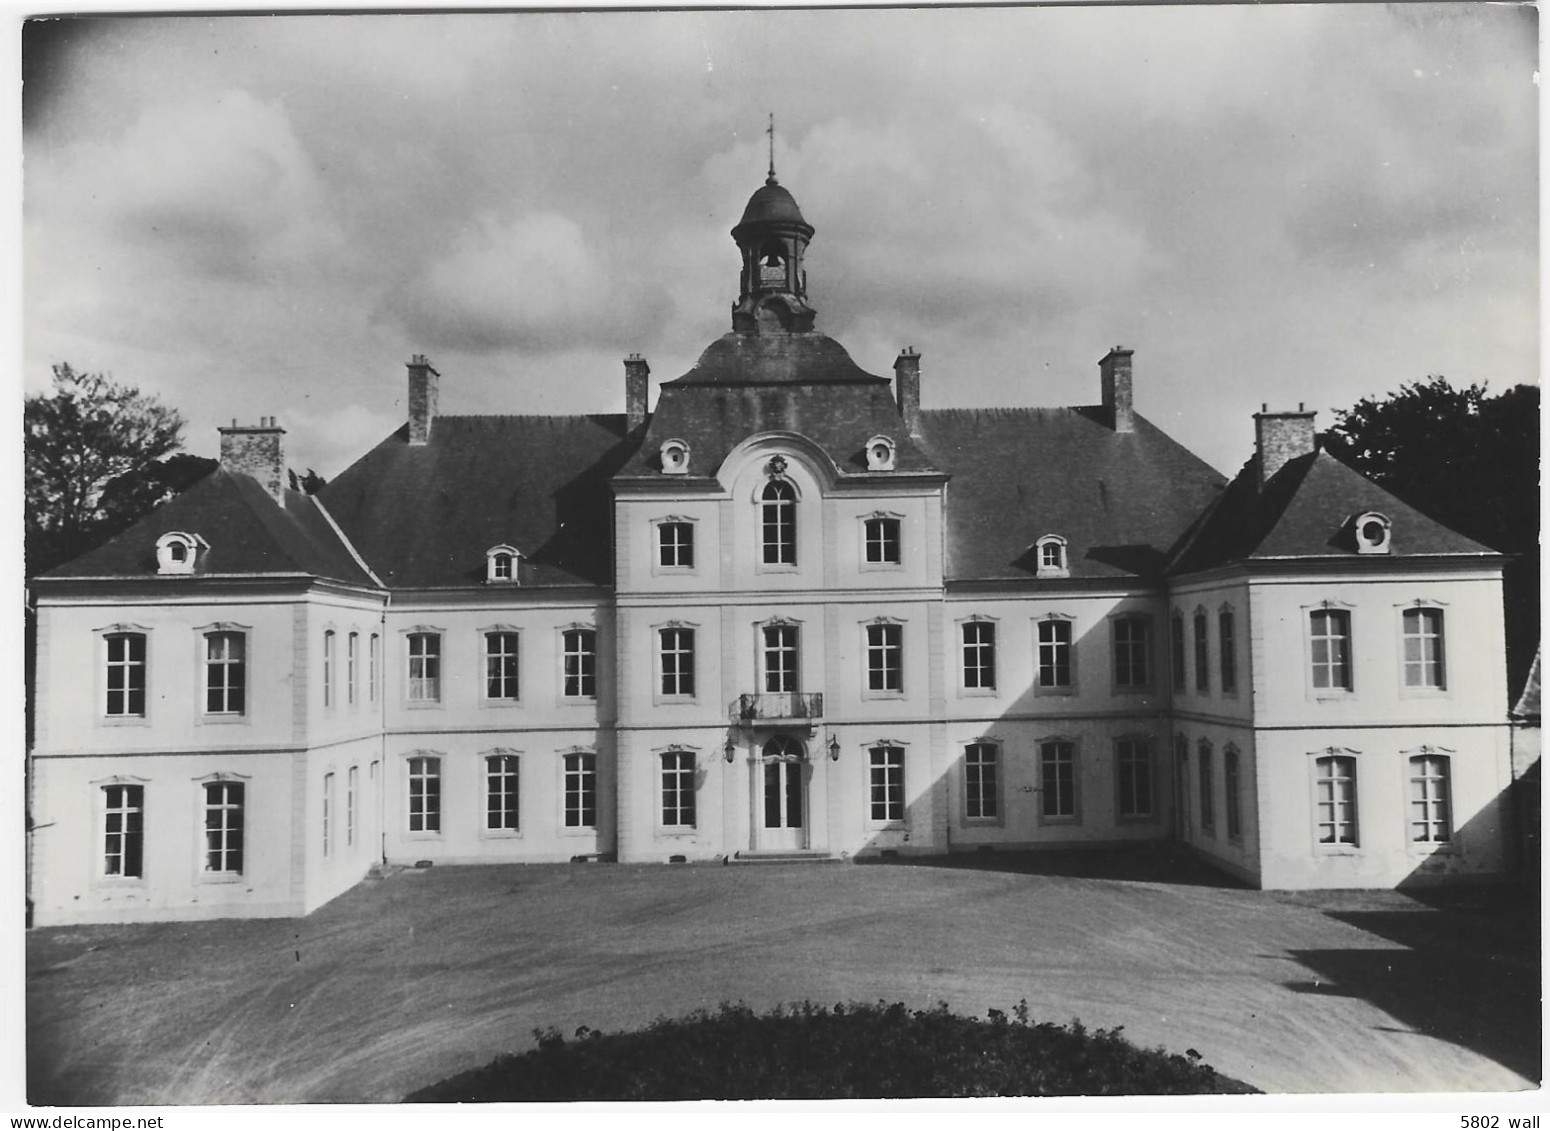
(637, 386)
(906, 372)
(257, 450)
(424, 388)
(1280, 437)
(1114, 373)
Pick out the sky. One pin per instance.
(256, 216)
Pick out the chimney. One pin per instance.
(1114, 372)
(906, 372)
(424, 385)
(1280, 437)
(256, 450)
(636, 388)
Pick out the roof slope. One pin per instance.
(1121, 500)
(247, 531)
(424, 515)
(1302, 513)
(779, 358)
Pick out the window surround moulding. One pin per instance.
(1313, 757)
(674, 456)
(1427, 848)
(482, 646)
(1234, 838)
(1147, 686)
(202, 633)
(866, 690)
(100, 879)
(561, 699)
(168, 563)
(1063, 569)
(1330, 694)
(1067, 690)
(1149, 742)
(999, 820)
(485, 832)
(222, 878)
(660, 570)
(994, 691)
(888, 567)
(881, 453)
(441, 657)
(422, 834)
(578, 831)
(1076, 778)
(100, 677)
(1372, 531)
(1424, 691)
(491, 561)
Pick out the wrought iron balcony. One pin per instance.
(774, 707)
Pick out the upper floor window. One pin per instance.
(778, 511)
(781, 655)
(982, 781)
(1133, 770)
(1430, 817)
(1334, 785)
(123, 830)
(580, 675)
(678, 789)
(374, 660)
(352, 668)
(675, 545)
(424, 794)
(1330, 636)
(1176, 649)
(424, 667)
(1056, 671)
(225, 673)
(883, 545)
(979, 655)
(126, 674)
(677, 661)
(1132, 653)
(328, 668)
(224, 815)
(1227, 645)
(1051, 556)
(502, 563)
(1057, 780)
(500, 665)
(1423, 648)
(885, 657)
(1202, 654)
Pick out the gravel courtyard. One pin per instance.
(415, 976)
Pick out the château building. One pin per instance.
(785, 611)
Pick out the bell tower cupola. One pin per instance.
(773, 238)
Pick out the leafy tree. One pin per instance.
(1470, 460)
(311, 483)
(93, 446)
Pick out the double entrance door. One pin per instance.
(783, 785)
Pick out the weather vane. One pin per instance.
(771, 132)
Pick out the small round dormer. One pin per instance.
(177, 552)
(879, 454)
(1373, 532)
(675, 457)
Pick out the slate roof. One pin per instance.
(804, 357)
(1121, 500)
(424, 515)
(248, 532)
(1302, 513)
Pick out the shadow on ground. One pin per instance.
(1156, 863)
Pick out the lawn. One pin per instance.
(415, 977)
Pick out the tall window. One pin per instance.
(981, 781)
(1132, 653)
(502, 799)
(425, 795)
(1228, 648)
(1133, 767)
(223, 827)
(580, 645)
(500, 665)
(1430, 816)
(979, 655)
(677, 661)
(580, 791)
(883, 545)
(1202, 655)
(1057, 778)
(779, 523)
(1176, 650)
(780, 657)
(1423, 648)
(126, 674)
(328, 668)
(885, 657)
(328, 814)
(352, 668)
(424, 667)
(374, 658)
(675, 545)
(886, 775)
(1207, 787)
(1055, 653)
(352, 793)
(1330, 632)
(123, 830)
(1232, 783)
(225, 678)
(678, 789)
(1334, 785)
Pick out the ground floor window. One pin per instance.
(1231, 781)
(224, 802)
(1133, 773)
(887, 783)
(425, 795)
(982, 781)
(1207, 788)
(1430, 820)
(328, 814)
(352, 791)
(123, 830)
(1335, 799)
(1057, 778)
(580, 791)
(502, 803)
(678, 789)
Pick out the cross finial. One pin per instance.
(770, 180)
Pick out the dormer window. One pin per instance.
(675, 457)
(1373, 531)
(1050, 555)
(879, 454)
(501, 564)
(176, 552)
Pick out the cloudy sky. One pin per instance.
(268, 215)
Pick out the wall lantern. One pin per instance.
(834, 749)
(730, 750)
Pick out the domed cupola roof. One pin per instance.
(772, 204)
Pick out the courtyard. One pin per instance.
(413, 976)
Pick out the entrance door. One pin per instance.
(784, 795)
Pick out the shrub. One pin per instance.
(855, 1051)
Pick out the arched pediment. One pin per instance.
(758, 449)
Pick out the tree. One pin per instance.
(91, 444)
(1470, 460)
